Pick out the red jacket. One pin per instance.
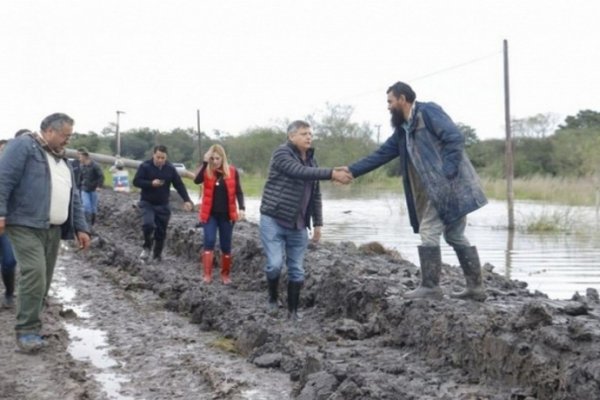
(208, 195)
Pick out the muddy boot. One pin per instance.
(147, 246)
(157, 251)
(430, 258)
(8, 277)
(293, 300)
(226, 268)
(208, 257)
(273, 304)
(469, 262)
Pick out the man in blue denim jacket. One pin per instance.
(440, 185)
(39, 206)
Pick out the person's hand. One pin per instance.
(157, 182)
(188, 206)
(84, 240)
(241, 215)
(341, 175)
(2, 225)
(207, 156)
(316, 234)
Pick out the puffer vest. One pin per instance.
(209, 191)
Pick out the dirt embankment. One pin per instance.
(359, 338)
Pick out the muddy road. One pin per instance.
(166, 335)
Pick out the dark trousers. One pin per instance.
(155, 220)
(221, 223)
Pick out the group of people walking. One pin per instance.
(40, 204)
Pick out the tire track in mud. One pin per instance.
(156, 353)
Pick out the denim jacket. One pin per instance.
(25, 186)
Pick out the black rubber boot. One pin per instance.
(430, 258)
(147, 246)
(469, 262)
(273, 295)
(157, 251)
(93, 219)
(8, 277)
(293, 300)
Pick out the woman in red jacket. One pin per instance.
(219, 210)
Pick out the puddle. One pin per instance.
(89, 344)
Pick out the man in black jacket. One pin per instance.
(91, 179)
(290, 200)
(155, 177)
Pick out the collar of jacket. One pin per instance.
(309, 153)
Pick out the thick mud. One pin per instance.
(359, 339)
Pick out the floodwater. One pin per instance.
(558, 263)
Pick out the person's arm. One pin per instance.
(286, 163)
(317, 213)
(100, 175)
(141, 178)
(238, 192)
(79, 222)
(12, 167)
(384, 154)
(180, 187)
(200, 175)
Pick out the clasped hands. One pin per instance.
(341, 175)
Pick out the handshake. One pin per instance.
(341, 175)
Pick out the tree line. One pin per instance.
(541, 147)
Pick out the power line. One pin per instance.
(473, 61)
(437, 72)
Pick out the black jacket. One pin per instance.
(91, 177)
(159, 195)
(282, 195)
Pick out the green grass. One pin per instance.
(567, 191)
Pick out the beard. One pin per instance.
(397, 119)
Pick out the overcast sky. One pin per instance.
(254, 63)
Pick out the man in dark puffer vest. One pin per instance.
(290, 200)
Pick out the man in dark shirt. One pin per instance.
(155, 177)
(91, 178)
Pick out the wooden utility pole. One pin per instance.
(508, 155)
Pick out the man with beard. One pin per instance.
(440, 185)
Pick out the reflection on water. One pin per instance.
(86, 343)
(558, 264)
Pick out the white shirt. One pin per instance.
(60, 190)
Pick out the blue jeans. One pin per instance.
(278, 241)
(90, 202)
(7, 259)
(225, 227)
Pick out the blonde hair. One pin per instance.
(219, 150)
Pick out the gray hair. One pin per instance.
(56, 121)
(294, 126)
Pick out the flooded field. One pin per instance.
(557, 263)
